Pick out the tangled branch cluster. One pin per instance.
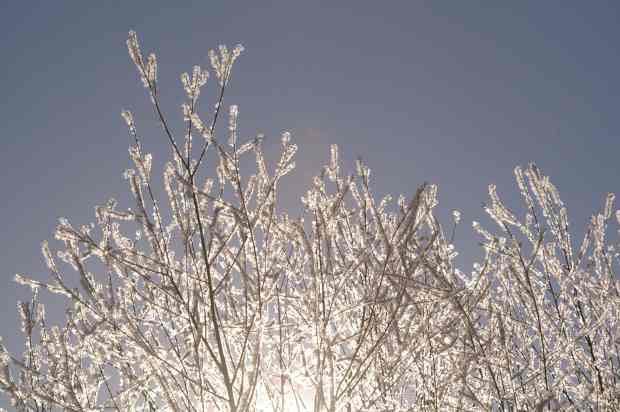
(213, 299)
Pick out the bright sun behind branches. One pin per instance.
(301, 400)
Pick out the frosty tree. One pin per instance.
(212, 298)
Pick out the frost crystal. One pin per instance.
(456, 215)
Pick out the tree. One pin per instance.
(550, 318)
(221, 301)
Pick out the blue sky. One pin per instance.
(454, 93)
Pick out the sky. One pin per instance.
(452, 93)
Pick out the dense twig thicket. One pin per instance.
(212, 298)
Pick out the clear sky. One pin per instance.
(454, 93)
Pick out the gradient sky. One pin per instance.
(454, 93)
